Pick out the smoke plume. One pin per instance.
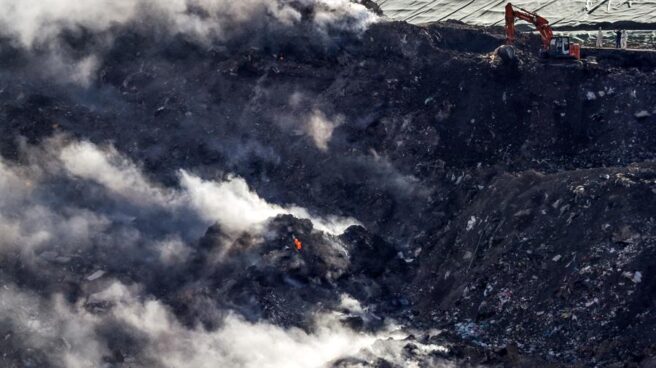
(77, 211)
(150, 249)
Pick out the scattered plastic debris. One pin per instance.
(471, 223)
(96, 275)
(642, 114)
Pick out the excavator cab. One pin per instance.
(561, 47)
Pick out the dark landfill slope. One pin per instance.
(509, 204)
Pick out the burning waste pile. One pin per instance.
(101, 266)
(304, 184)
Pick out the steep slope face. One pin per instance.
(553, 262)
(464, 172)
(558, 263)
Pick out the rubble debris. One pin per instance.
(642, 114)
(635, 277)
(96, 275)
(471, 223)
(508, 54)
(518, 221)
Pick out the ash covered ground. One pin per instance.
(454, 209)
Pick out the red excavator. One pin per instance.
(552, 46)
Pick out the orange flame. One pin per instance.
(298, 244)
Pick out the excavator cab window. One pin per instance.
(559, 46)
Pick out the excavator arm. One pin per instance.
(541, 24)
(552, 47)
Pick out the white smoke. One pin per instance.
(311, 122)
(40, 21)
(70, 335)
(114, 172)
(37, 218)
(229, 202)
(355, 15)
(38, 24)
(239, 343)
(33, 217)
(320, 128)
(28, 223)
(42, 325)
(173, 250)
(237, 208)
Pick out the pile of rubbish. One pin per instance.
(554, 264)
(503, 207)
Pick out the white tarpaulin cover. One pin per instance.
(490, 12)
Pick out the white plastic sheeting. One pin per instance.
(490, 12)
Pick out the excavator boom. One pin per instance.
(540, 23)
